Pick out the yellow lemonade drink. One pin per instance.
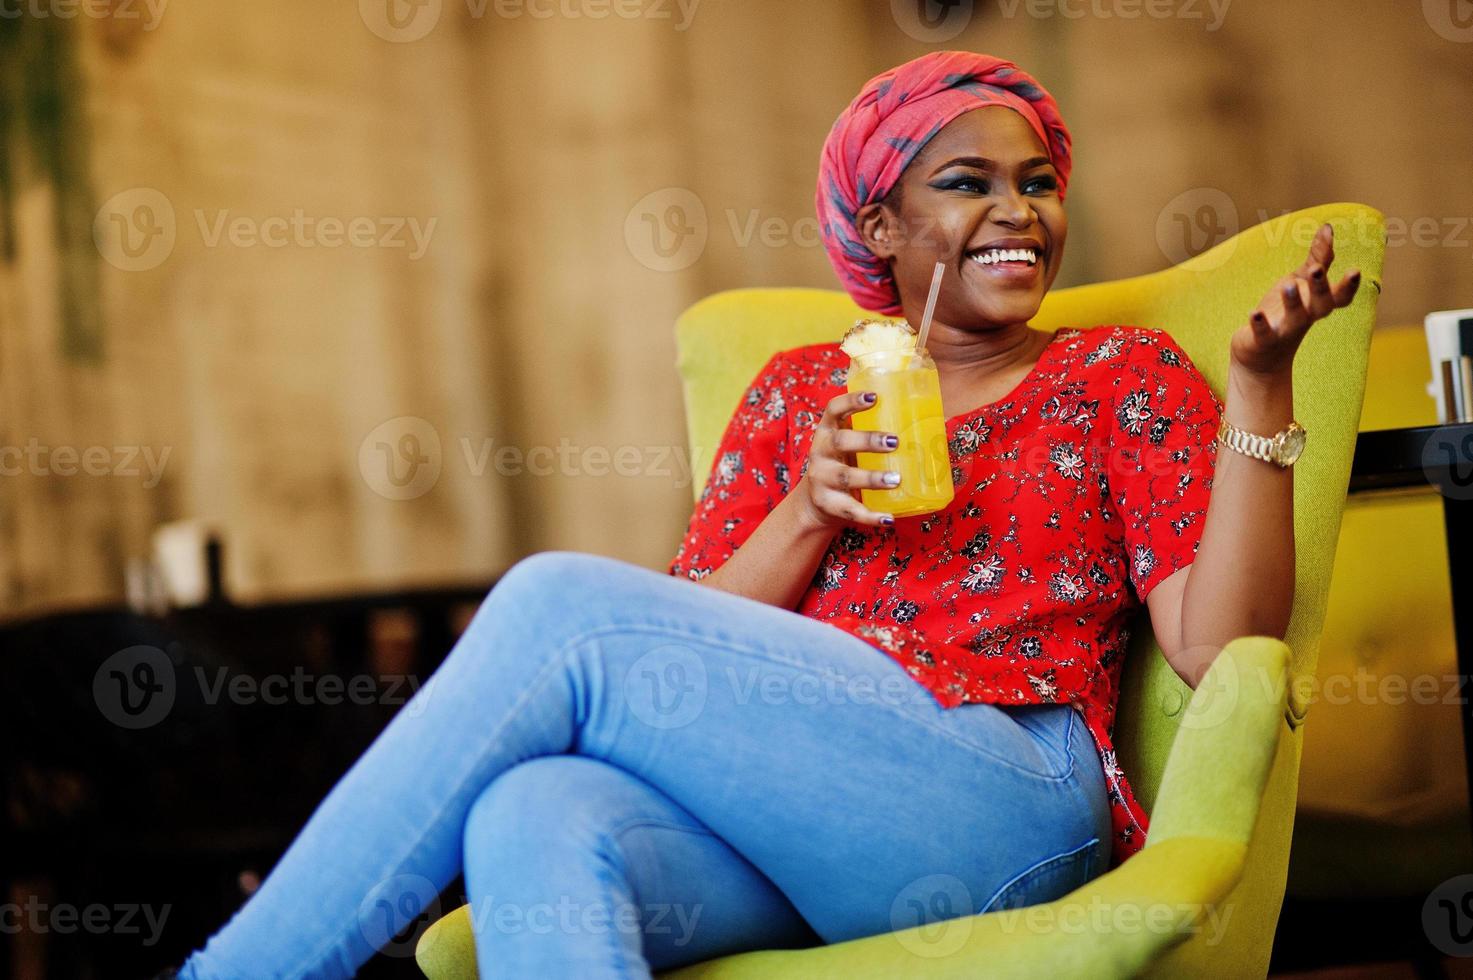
(909, 405)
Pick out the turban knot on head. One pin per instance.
(894, 116)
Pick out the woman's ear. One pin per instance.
(879, 229)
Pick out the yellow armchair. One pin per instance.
(1217, 768)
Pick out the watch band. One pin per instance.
(1282, 448)
(1245, 442)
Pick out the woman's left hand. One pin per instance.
(1265, 346)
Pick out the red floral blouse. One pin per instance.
(1076, 494)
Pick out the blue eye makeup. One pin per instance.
(1043, 183)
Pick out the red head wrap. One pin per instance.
(893, 117)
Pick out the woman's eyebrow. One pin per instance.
(982, 163)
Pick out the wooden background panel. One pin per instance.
(549, 153)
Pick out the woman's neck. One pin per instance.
(974, 356)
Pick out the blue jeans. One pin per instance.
(636, 772)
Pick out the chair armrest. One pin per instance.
(1114, 926)
(447, 950)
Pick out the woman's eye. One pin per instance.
(975, 184)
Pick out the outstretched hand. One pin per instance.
(1267, 343)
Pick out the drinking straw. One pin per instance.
(930, 305)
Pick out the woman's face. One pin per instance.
(984, 181)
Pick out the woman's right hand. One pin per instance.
(831, 484)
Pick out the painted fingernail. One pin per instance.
(1317, 274)
(1291, 290)
(891, 479)
(887, 521)
(1355, 276)
(892, 441)
(1259, 318)
(868, 397)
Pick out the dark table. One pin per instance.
(1438, 457)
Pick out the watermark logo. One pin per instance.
(1447, 462)
(137, 688)
(403, 21)
(1451, 20)
(40, 459)
(666, 230)
(401, 458)
(667, 687)
(397, 912)
(134, 688)
(39, 918)
(1098, 916)
(1193, 222)
(1216, 691)
(400, 21)
(151, 12)
(1212, 12)
(932, 21)
(931, 917)
(1447, 916)
(134, 230)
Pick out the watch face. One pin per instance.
(1292, 445)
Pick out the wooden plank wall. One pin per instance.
(540, 312)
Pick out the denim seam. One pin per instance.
(799, 665)
(620, 829)
(609, 884)
(1082, 853)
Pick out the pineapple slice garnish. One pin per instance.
(868, 336)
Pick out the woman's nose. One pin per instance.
(1013, 210)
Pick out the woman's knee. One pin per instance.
(554, 573)
(561, 801)
(550, 584)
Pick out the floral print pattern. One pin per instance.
(1076, 494)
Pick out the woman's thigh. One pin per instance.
(812, 754)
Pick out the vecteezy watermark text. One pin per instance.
(136, 230)
(404, 21)
(402, 459)
(137, 688)
(38, 459)
(122, 919)
(150, 11)
(1214, 12)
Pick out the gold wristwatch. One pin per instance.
(1281, 448)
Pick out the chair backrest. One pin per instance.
(724, 339)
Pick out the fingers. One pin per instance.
(840, 407)
(1296, 317)
(1321, 300)
(863, 441)
(852, 510)
(1345, 291)
(833, 480)
(836, 473)
(1261, 328)
(833, 486)
(1321, 251)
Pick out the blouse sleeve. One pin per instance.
(1163, 451)
(749, 476)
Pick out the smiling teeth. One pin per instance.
(995, 255)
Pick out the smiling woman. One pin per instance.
(739, 755)
(1085, 460)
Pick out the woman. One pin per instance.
(637, 771)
